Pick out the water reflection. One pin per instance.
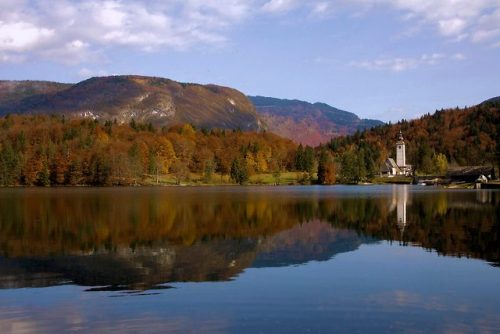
(144, 238)
(400, 201)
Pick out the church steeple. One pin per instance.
(400, 151)
(400, 136)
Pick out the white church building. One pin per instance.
(392, 168)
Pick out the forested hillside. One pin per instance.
(52, 150)
(465, 137)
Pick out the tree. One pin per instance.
(299, 158)
(100, 170)
(239, 171)
(308, 160)
(423, 162)
(32, 167)
(208, 171)
(349, 169)
(180, 171)
(440, 164)
(361, 165)
(10, 165)
(44, 176)
(135, 162)
(326, 168)
(161, 155)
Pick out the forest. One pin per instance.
(43, 150)
(447, 138)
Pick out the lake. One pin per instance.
(364, 259)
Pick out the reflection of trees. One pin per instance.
(68, 221)
(452, 223)
(71, 221)
(461, 231)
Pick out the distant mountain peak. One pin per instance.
(308, 123)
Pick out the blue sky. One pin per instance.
(384, 59)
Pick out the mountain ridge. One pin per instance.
(160, 101)
(165, 102)
(308, 123)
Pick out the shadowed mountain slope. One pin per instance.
(308, 123)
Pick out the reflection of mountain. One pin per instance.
(313, 241)
(144, 267)
(139, 238)
(147, 267)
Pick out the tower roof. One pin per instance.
(400, 140)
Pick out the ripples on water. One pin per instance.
(236, 259)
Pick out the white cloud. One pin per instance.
(455, 19)
(321, 9)
(392, 64)
(279, 5)
(399, 64)
(459, 56)
(21, 36)
(452, 27)
(458, 19)
(74, 31)
(11, 58)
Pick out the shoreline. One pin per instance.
(495, 185)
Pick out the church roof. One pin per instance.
(391, 163)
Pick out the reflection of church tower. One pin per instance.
(400, 151)
(402, 199)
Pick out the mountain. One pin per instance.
(493, 100)
(308, 123)
(162, 102)
(12, 91)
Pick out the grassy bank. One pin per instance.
(392, 180)
(285, 178)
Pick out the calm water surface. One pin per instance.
(249, 260)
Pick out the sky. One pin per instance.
(382, 59)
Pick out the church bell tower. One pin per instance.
(400, 151)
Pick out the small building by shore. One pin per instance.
(470, 173)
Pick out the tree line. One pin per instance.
(51, 150)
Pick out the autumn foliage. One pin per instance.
(456, 137)
(51, 150)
